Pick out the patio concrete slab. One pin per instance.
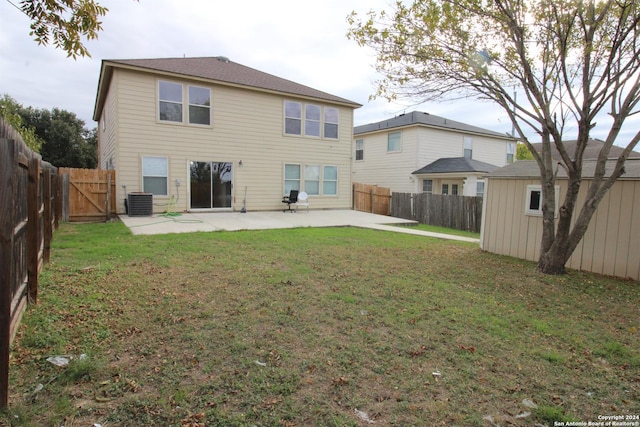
(236, 221)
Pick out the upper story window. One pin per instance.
(171, 98)
(394, 142)
(199, 105)
(359, 149)
(468, 147)
(511, 150)
(331, 117)
(310, 120)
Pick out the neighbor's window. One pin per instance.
(331, 118)
(311, 120)
(445, 189)
(155, 175)
(480, 189)
(359, 149)
(468, 147)
(454, 189)
(511, 150)
(330, 181)
(291, 178)
(170, 101)
(199, 105)
(292, 118)
(427, 186)
(394, 142)
(312, 179)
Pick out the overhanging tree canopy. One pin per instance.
(572, 60)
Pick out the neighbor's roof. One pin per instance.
(216, 70)
(455, 165)
(590, 153)
(528, 169)
(428, 120)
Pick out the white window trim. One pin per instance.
(303, 121)
(399, 150)
(189, 104)
(361, 141)
(142, 174)
(538, 212)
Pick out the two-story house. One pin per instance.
(421, 152)
(211, 134)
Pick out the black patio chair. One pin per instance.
(291, 199)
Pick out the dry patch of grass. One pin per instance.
(317, 327)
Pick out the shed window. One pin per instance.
(534, 200)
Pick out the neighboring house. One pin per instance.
(512, 218)
(208, 133)
(419, 152)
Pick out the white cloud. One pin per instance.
(302, 41)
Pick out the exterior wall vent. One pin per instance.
(140, 204)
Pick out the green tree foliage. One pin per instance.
(66, 142)
(65, 23)
(574, 61)
(523, 152)
(10, 111)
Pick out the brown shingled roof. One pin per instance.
(222, 70)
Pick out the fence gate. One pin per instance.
(91, 194)
(371, 198)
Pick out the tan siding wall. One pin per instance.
(107, 131)
(246, 125)
(420, 146)
(611, 245)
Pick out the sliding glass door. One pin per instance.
(211, 184)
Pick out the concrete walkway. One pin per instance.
(235, 221)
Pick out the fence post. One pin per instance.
(33, 242)
(108, 201)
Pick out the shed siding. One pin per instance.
(610, 246)
(246, 126)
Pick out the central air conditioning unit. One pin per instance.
(140, 204)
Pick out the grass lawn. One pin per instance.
(327, 327)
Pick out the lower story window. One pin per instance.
(291, 178)
(445, 189)
(427, 186)
(155, 175)
(330, 181)
(454, 189)
(314, 179)
(480, 189)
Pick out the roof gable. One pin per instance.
(455, 165)
(218, 70)
(418, 118)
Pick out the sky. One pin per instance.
(297, 40)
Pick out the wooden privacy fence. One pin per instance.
(457, 212)
(371, 198)
(90, 194)
(30, 209)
